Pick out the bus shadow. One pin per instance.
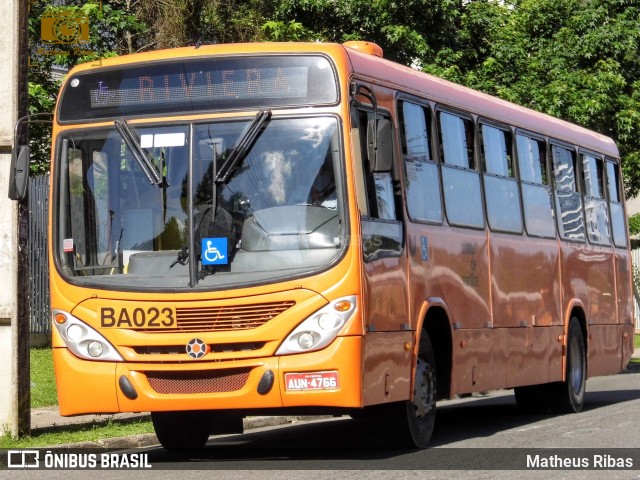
(346, 442)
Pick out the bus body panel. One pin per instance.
(84, 387)
(525, 281)
(387, 367)
(87, 387)
(456, 269)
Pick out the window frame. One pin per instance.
(621, 200)
(439, 148)
(486, 174)
(573, 149)
(548, 185)
(583, 152)
(434, 159)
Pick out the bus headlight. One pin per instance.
(320, 329)
(82, 340)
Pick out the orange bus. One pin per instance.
(270, 228)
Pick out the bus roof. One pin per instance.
(457, 96)
(405, 79)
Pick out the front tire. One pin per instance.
(416, 418)
(182, 430)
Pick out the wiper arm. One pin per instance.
(138, 153)
(243, 146)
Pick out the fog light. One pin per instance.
(95, 349)
(74, 332)
(305, 340)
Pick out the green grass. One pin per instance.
(43, 384)
(77, 434)
(636, 344)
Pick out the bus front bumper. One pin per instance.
(326, 378)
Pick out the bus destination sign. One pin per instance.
(198, 85)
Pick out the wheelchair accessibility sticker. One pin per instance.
(214, 251)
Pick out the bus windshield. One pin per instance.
(277, 213)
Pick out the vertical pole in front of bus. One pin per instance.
(14, 336)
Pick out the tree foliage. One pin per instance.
(574, 59)
(112, 29)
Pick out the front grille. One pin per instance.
(214, 348)
(237, 317)
(186, 383)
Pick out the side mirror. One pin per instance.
(379, 145)
(21, 156)
(19, 173)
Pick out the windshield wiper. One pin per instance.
(243, 146)
(138, 153)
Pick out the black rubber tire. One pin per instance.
(560, 397)
(182, 430)
(415, 419)
(569, 395)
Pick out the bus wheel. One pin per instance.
(570, 393)
(182, 430)
(417, 418)
(560, 397)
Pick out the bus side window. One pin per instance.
(377, 167)
(569, 201)
(501, 188)
(595, 207)
(422, 182)
(614, 191)
(460, 180)
(537, 196)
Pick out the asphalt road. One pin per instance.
(478, 437)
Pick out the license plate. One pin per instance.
(312, 381)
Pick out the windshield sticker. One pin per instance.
(163, 140)
(214, 251)
(67, 245)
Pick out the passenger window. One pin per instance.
(415, 131)
(501, 189)
(613, 183)
(495, 150)
(460, 181)
(568, 200)
(595, 207)
(593, 176)
(422, 180)
(532, 160)
(614, 191)
(537, 196)
(378, 182)
(456, 140)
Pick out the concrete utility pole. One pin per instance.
(14, 343)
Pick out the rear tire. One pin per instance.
(569, 395)
(560, 397)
